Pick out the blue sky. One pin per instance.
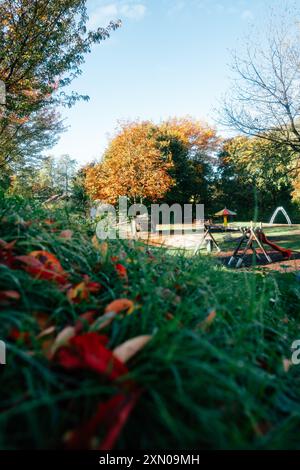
(169, 58)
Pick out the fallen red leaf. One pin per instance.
(43, 265)
(88, 351)
(6, 253)
(17, 335)
(93, 287)
(111, 416)
(121, 271)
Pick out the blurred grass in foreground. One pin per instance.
(221, 385)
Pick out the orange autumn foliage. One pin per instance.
(139, 162)
(135, 165)
(194, 134)
(296, 188)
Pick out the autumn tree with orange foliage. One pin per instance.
(136, 165)
(196, 136)
(152, 162)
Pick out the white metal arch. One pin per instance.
(284, 212)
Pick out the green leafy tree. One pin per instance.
(79, 196)
(47, 178)
(43, 46)
(253, 174)
(65, 173)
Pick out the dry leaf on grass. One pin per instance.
(127, 350)
(102, 247)
(63, 338)
(208, 320)
(48, 331)
(287, 364)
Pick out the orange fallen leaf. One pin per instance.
(78, 293)
(130, 348)
(49, 221)
(120, 305)
(83, 290)
(208, 320)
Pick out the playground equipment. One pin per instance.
(252, 238)
(209, 239)
(280, 209)
(225, 213)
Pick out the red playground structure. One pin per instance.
(284, 251)
(252, 239)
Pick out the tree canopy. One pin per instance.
(248, 179)
(43, 46)
(264, 100)
(150, 161)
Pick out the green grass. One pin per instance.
(221, 387)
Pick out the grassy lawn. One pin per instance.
(215, 374)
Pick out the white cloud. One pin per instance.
(133, 11)
(247, 15)
(102, 15)
(118, 10)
